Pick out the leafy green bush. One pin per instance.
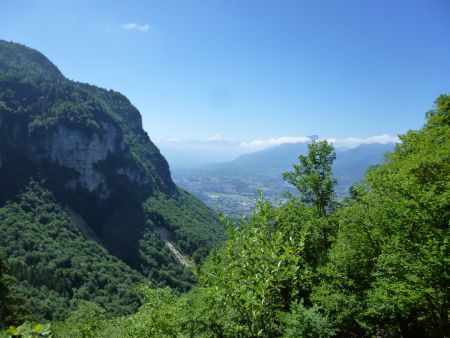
(304, 322)
(29, 330)
(159, 316)
(87, 321)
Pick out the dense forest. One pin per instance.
(376, 264)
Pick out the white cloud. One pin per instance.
(355, 141)
(348, 142)
(271, 142)
(136, 27)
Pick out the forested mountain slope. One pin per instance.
(85, 147)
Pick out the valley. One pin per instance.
(233, 187)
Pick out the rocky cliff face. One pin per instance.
(86, 144)
(74, 149)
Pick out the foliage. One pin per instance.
(11, 304)
(206, 314)
(313, 177)
(258, 270)
(28, 330)
(55, 266)
(268, 263)
(303, 322)
(376, 266)
(388, 271)
(164, 313)
(175, 212)
(87, 321)
(159, 316)
(4, 292)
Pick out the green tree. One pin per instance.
(313, 177)
(159, 316)
(87, 321)
(263, 267)
(306, 323)
(11, 310)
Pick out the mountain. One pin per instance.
(275, 158)
(351, 164)
(282, 157)
(234, 184)
(104, 181)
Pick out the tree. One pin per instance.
(313, 177)
(88, 320)
(10, 306)
(12, 310)
(159, 316)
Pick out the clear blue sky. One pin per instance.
(251, 69)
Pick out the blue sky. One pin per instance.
(250, 70)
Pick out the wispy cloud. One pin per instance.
(137, 27)
(356, 141)
(271, 142)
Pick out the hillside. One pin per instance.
(111, 187)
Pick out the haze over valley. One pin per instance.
(233, 186)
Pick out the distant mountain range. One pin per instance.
(234, 184)
(188, 152)
(184, 152)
